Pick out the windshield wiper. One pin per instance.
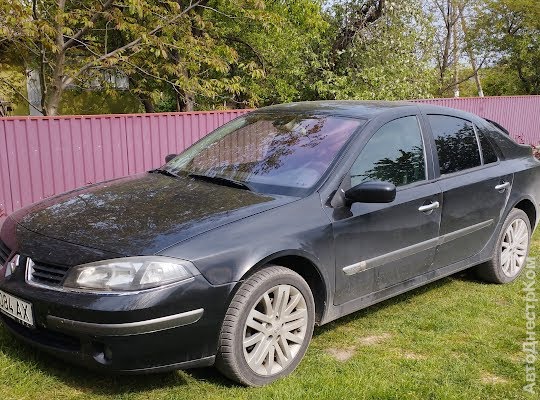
(221, 180)
(163, 172)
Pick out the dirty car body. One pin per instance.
(280, 201)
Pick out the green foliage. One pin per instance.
(17, 84)
(385, 59)
(501, 80)
(212, 54)
(76, 102)
(511, 30)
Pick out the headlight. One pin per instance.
(129, 274)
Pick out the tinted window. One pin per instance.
(488, 152)
(456, 143)
(503, 143)
(393, 154)
(274, 153)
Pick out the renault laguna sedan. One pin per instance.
(285, 218)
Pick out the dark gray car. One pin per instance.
(290, 216)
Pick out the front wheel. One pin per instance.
(267, 328)
(510, 253)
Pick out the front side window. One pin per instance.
(395, 154)
(273, 153)
(456, 143)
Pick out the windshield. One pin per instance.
(272, 153)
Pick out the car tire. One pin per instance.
(263, 337)
(510, 252)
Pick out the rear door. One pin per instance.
(474, 188)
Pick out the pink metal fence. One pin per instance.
(519, 114)
(43, 156)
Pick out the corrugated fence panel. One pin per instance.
(5, 184)
(519, 114)
(151, 137)
(44, 156)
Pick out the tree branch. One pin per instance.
(219, 12)
(259, 57)
(75, 38)
(370, 12)
(144, 72)
(129, 45)
(475, 71)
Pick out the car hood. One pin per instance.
(143, 214)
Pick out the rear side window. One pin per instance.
(456, 143)
(488, 151)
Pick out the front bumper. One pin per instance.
(127, 328)
(169, 328)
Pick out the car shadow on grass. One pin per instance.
(84, 380)
(466, 275)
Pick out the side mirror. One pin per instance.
(371, 192)
(169, 157)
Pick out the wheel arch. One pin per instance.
(304, 265)
(527, 206)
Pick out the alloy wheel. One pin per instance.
(514, 247)
(275, 330)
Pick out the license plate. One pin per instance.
(19, 310)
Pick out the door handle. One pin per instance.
(502, 186)
(429, 207)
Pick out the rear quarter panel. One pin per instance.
(526, 183)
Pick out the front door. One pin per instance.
(381, 245)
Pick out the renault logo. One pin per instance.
(12, 265)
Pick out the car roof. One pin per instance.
(366, 109)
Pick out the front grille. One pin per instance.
(4, 253)
(47, 274)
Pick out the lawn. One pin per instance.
(454, 339)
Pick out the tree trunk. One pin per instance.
(444, 61)
(524, 81)
(52, 102)
(56, 89)
(184, 101)
(478, 82)
(446, 53)
(455, 52)
(190, 102)
(143, 97)
(34, 89)
(147, 103)
(471, 57)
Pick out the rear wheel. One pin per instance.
(267, 328)
(510, 253)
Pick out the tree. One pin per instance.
(378, 50)
(511, 30)
(181, 55)
(274, 53)
(81, 42)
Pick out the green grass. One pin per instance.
(454, 339)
